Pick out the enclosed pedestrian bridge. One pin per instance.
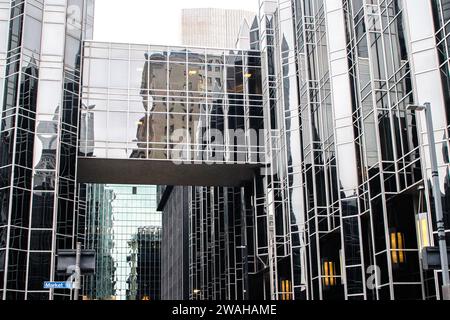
(170, 115)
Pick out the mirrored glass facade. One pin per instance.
(171, 103)
(339, 201)
(39, 129)
(356, 171)
(124, 228)
(343, 208)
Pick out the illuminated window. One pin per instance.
(286, 289)
(397, 247)
(423, 234)
(329, 273)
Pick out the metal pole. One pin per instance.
(77, 271)
(244, 244)
(438, 204)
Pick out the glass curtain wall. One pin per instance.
(175, 244)
(39, 134)
(387, 151)
(170, 103)
(221, 243)
(124, 227)
(353, 182)
(355, 87)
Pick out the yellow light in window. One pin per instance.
(247, 75)
(401, 245)
(424, 233)
(286, 289)
(397, 247)
(394, 247)
(192, 72)
(326, 272)
(331, 267)
(329, 274)
(423, 230)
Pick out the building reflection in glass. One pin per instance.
(124, 227)
(169, 103)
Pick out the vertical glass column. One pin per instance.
(5, 7)
(387, 156)
(429, 53)
(18, 123)
(52, 224)
(266, 241)
(43, 214)
(350, 256)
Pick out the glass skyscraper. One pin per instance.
(292, 169)
(41, 45)
(344, 208)
(124, 228)
(365, 170)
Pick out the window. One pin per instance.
(329, 273)
(397, 247)
(286, 289)
(423, 230)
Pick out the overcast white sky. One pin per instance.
(151, 21)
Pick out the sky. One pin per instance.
(151, 21)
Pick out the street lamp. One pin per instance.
(437, 197)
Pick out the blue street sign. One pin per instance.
(57, 285)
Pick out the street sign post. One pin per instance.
(57, 285)
(73, 263)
